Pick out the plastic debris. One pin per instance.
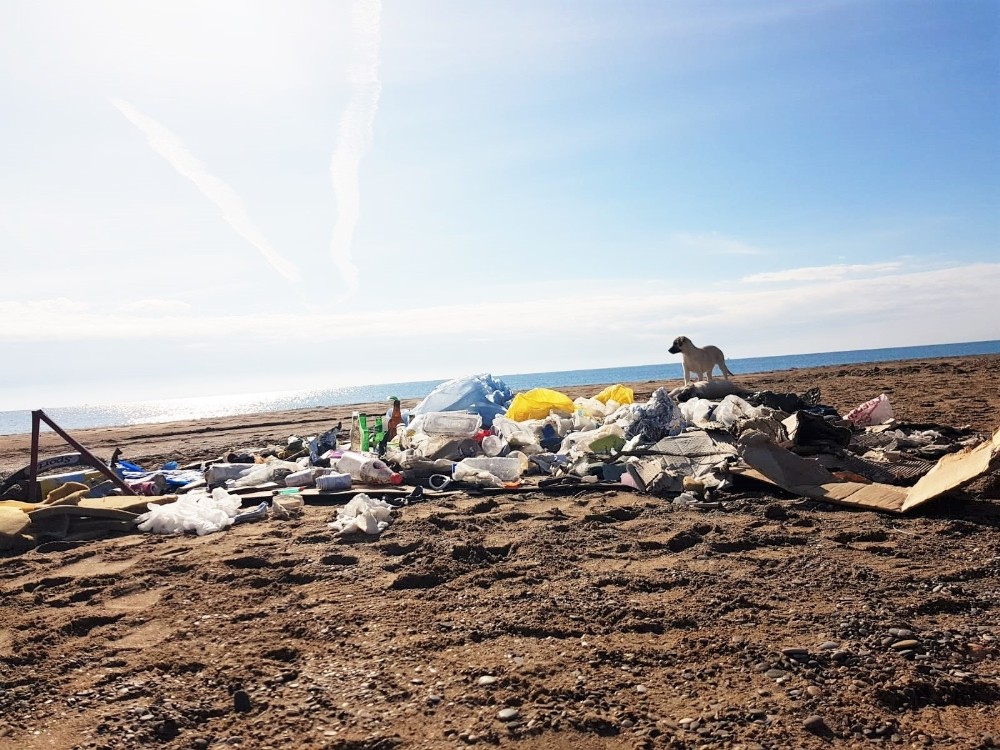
(364, 515)
(196, 511)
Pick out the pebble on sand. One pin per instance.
(815, 724)
(241, 702)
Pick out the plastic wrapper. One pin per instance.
(362, 515)
(876, 411)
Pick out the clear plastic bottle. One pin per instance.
(506, 469)
(333, 482)
(367, 469)
(220, 472)
(492, 445)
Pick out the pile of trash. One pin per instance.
(693, 444)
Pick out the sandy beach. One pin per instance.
(591, 619)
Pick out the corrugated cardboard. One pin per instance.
(770, 463)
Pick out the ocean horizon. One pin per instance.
(176, 409)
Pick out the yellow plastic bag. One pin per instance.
(537, 403)
(616, 392)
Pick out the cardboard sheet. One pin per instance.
(770, 463)
(691, 454)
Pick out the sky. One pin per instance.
(214, 197)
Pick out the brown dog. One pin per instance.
(699, 360)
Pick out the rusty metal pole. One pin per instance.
(33, 467)
(90, 457)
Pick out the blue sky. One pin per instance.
(212, 197)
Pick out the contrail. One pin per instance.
(355, 134)
(169, 146)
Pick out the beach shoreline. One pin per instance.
(912, 385)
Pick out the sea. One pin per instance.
(174, 409)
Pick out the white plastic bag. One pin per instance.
(730, 409)
(583, 442)
(363, 514)
(591, 407)
(697, 411)
(517, 434)
(195, 511)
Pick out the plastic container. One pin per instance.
(506, 469)
(286, 506)
(452, 423)
(333, 482)
(222, 472)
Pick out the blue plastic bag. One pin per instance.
(475, 394)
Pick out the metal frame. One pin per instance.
(37, 417)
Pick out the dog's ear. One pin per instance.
(680, 341)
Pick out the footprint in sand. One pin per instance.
(135, 602)
(144, 636)
(49, 577)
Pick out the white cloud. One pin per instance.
(154, 307)
(170, 147)
(714, 243)
(946, 300)
(822, 273)
(543, 328)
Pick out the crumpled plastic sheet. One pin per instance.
(656, 419)
(196, 511)
(875, 411)
(363, 514)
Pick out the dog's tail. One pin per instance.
(725, 370)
